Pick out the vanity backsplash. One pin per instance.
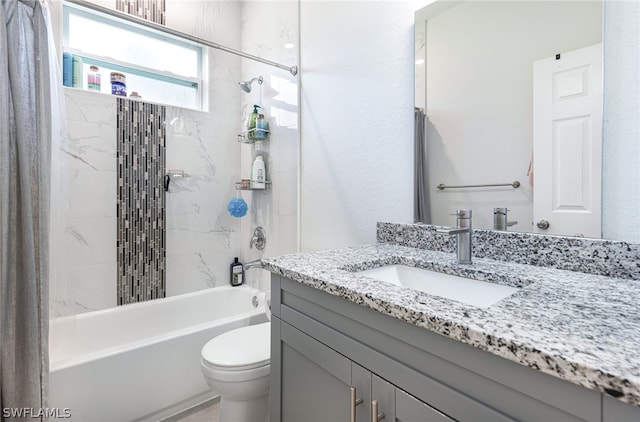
(593, 256)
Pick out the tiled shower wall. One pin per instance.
(141, 201)
(201, 237)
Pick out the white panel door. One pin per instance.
(567, 143)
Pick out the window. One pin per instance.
(160, 67)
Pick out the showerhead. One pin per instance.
(246, 85)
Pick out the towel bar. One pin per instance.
(515, 184)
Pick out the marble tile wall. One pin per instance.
(201, 237)
(85, 244)
(270, 30)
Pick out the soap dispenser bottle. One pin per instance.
(237, 272)
(251, 123)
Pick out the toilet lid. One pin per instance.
(239, 349)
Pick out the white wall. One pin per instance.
(479, 95)
(621, 148)
(356, 120)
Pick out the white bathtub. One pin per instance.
(129, 362)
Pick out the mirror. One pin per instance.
(476, 62)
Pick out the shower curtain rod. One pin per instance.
(292, 69)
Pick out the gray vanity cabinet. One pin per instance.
(320, 385)
(323, 345)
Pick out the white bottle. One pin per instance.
(258, 173)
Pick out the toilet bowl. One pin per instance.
(236, 365)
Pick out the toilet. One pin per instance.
(236, 365)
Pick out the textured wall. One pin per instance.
(356, 119)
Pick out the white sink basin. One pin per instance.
(472, 292)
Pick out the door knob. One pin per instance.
(543, 224)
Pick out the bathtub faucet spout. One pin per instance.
(257, 263)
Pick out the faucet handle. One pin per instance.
(463, 213)
(259, 239)
(452, 230)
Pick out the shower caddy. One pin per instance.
(245, 138)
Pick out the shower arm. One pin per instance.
(120, 15)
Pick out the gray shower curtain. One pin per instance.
(421, 210)
(25, 160)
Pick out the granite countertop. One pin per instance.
(580, 327)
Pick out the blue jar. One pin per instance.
(118, 84)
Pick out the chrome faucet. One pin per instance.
(463, 235)
(500, 219)
(256, 263)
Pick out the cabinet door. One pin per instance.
(384, 394)
(410, 409)
(395, 405)
(315, 380)
(615, 410)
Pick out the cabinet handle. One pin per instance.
(354, 403)
(375, 416)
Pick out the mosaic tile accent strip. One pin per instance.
(151, 10)
(141, 201)
(610, 258)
